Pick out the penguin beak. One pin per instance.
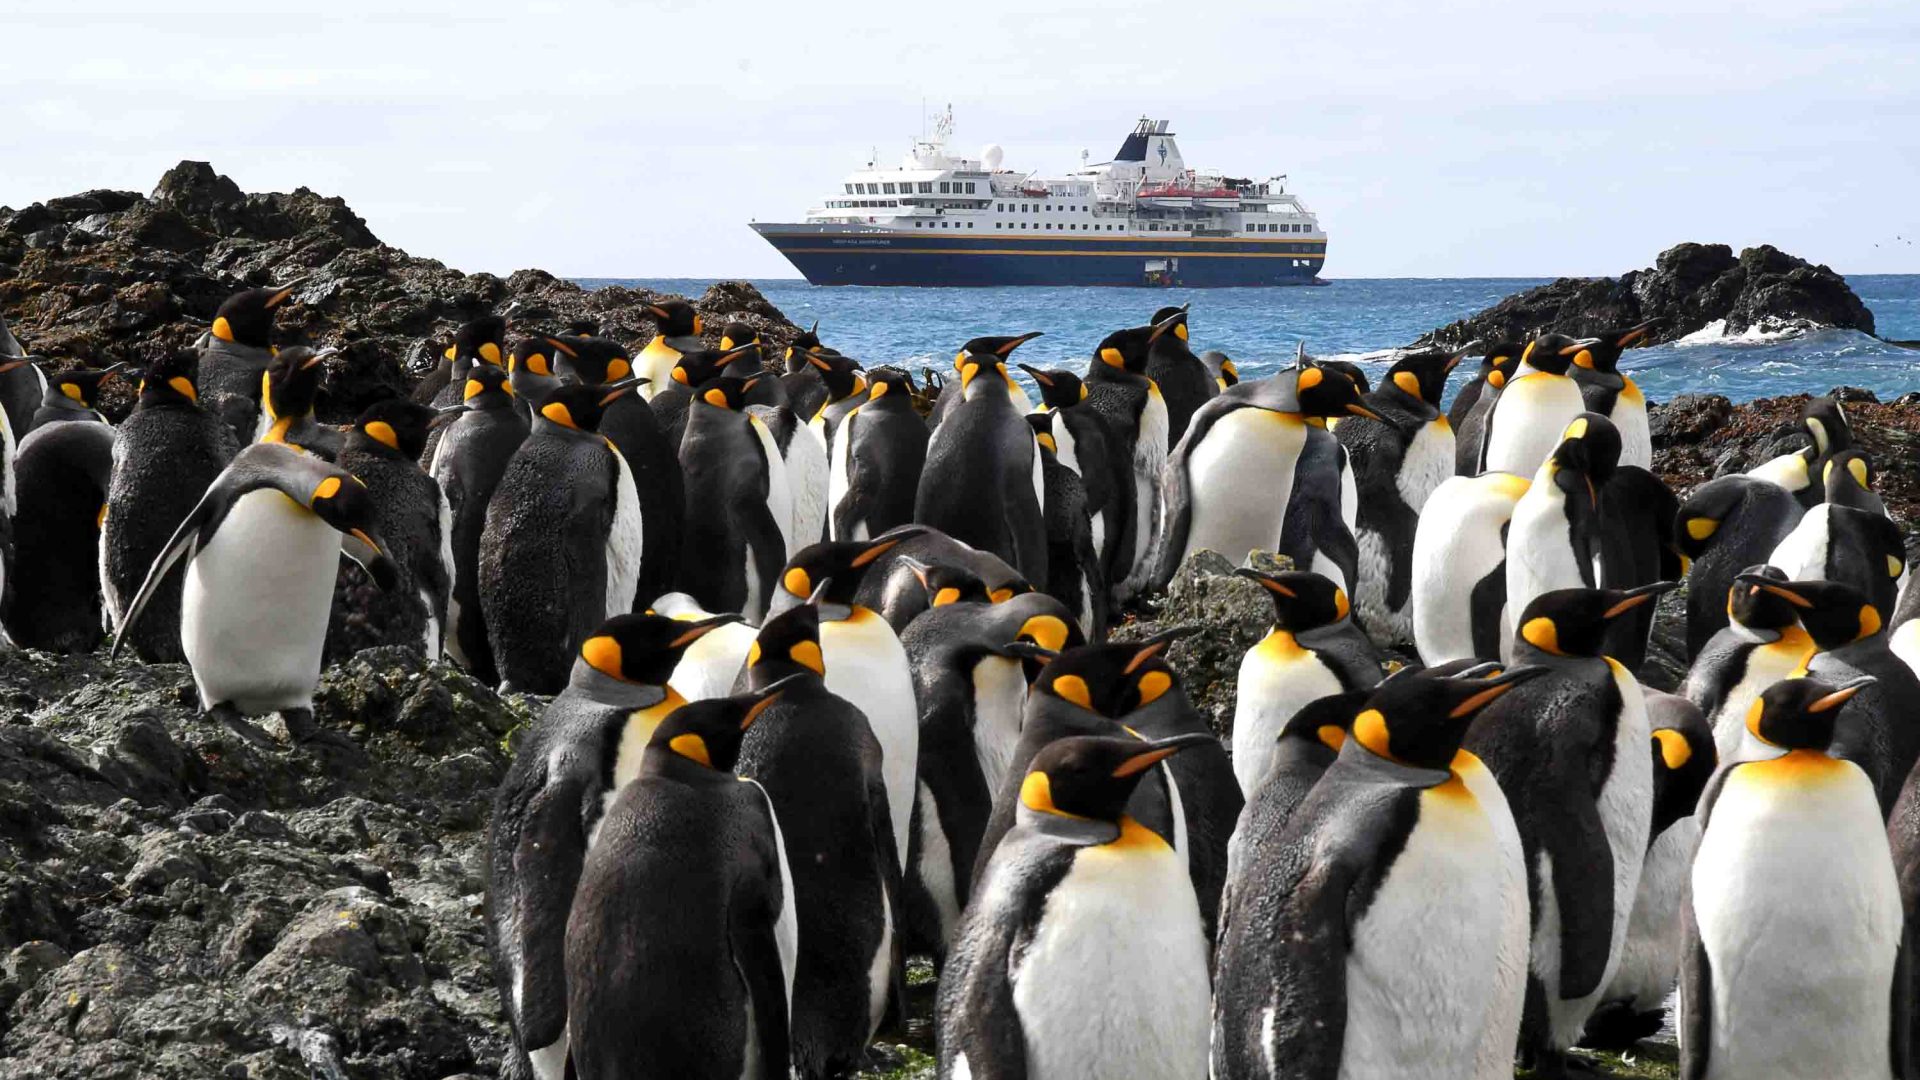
(1637, 596)
(1490, 690)
(1361, 410)
(316, 359)
(1157, 644)
(1008, 348)
(1771, 586)
(1840, 697)
(767, 697)
(1160, 751)
(695, 631)
(447, 416)
(1264, 581)
(1039, 376)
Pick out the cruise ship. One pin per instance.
(1143, 219)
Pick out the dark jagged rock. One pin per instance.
(109, 276)
(1689, 287)
(181, 897)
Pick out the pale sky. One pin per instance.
(1434, 139)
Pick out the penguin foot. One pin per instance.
(1619, 1027)
(1559, 1065)
(227, 715)
(301, 726)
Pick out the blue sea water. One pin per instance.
(1352, 319)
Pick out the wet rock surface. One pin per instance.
(1689, 287)
(182, 896)
(109, 276)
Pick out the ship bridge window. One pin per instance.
(946, 188)
(926, 187)
(887, 188)
(969, 187)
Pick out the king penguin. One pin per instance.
(877, 458)
(546, 815)
(1460, 567)
(1569, 749)
(680, 331)
(1313, 650)
(1118, 388)
(73, 394)
(818, 759)
(288, 391)
(234, 356)
(1553, 539)
(560, 551)
(22, 384)
(1083, 442)
(739, 507)
(62, 475)
(1761, 644)
(1076, 575)
(983, 349)
(690, 879)
(1527, 414)
(262, 548)
(1596, 367)
(1397, 462)
(1794, 965)
(1184, 381)
(1084, 954)
(1380, 932)
(1724, 526)
(165, 456)
(1468, 413)
(971, 687)
(382, 450)
(468, 462)
(1824, 424)
(1848, 536)
(1633, 1006)
(983, 482)
(1221, 367)
(895, 587)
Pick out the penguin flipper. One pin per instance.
(547, 862)
(756, 953)
(880, 815)
(1582, 864)
(1696, 1004)
(1901, 1010)
(185, 540)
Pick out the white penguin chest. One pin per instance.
(1428, 462)
(1277, 679)
(867, 665)
(1766, 664)
(1528, 419)
(1239, 480)
(1803, 553)
(1540, 555)
(840, 482)
(1114, 982)
(1799, 914)
(999, 695)
(1626, 797)
(255, 603)
(625, 539)
(1423, 972)
(1636, 433)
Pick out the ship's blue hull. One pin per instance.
(892, 258)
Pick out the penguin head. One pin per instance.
(1848, 478)
(887, 382)
(697, 367)
(1498, 362)
(533, 356)
(1548, 353)
(1421, 377)
(342, 501)
(1826, 424)
(1059, 388)
(724, 393)
(1229, 374)
(246, 318)
(1684, 757)
(947, 583)
(1833, 613)
(399, 426)
(710, 732)
(804, 342)
(1093, 776)
(1574, 622)
(840, 374)
(1327, 721)
(1352, 371)
(644, 647)
(830, 572)
(788, 644)
(1169, 320)
(737, 333)
(1302, 599)
(677, 318)
(1419, 718)
(1755, 608)
(1584, 461)
(580, 408)
(80, 385)
(169, 380)
(988, 356)
(481, 341)
(487, 387)
(292, 382)
(1602, 353)
(1323, 391)
(1110, 679)
(1799, 714)
(590, 360)
(1123, 350)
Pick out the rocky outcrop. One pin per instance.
(109, 276)
(1689, 287)
(182, 897)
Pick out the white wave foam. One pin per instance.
(1760, 333)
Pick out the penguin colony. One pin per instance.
(831, 685)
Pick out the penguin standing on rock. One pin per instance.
(165, 456)
(1528, 414)
(1380, 932)
(467, 463)
(680, 332)
(1724, 526)
(818, 759)
(738, 507)
(560, 551)
(1596, 367)
(287, 394)
(62, 475)
(1459, 598)
(1397, 462)
(877, 458)
(546, 814)
(1569, 749)
(1313, 650)
(1793, 849)
(73, 395)
(382, 450)
(983, 480)
(234, 357)
(685, 837)
(262, 548)
(1184, 381)
(1084, 955)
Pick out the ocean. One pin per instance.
(1350, 319)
